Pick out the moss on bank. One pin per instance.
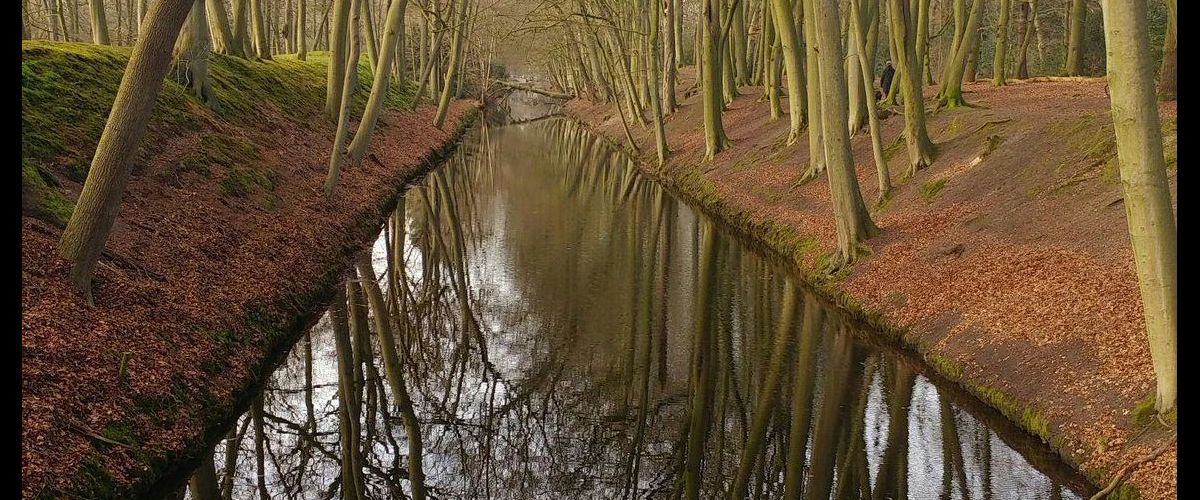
(62, 117)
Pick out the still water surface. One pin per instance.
(567, 329)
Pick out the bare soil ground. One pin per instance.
(185, 266)
(1007, 259)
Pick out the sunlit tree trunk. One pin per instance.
(785, 30)
(1144, 183)
(349, 85)
(854, 224)
(99, 23)
(715, 140)
(456, 48)
(99, 202)
(859, 39)
(921, 63)
(908, 72)
(670, 59)
(302, 30)
(368, 24)
(816, 141)
(191, 56)
(951, 94)
(1001, 52)
(393, 32)
(222, 34)
(654, 60)
(336, 77)
(259, 29)
(1074, 65)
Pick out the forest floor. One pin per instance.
(1006, 264)
(224, 237)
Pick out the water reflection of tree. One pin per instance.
(544, 322)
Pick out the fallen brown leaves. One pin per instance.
(190, 262)
(1039, 298)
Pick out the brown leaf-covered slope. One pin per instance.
(1009, 258)
(194, 253)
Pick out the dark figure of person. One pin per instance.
(885, 81)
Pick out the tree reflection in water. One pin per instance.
(537, 320)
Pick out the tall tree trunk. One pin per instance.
(670, 59)
(715, 140)
(951, 93)
(100, 200)
(785, 29)
(456, 48)
(222, 34)
(859, 39)
(1144, 183)
(654, 60)
(369, 35)
(301, 30)
(816, 127)
(262, 44)
(908, 72)
(99, 24)
(393, 32)
(240, 37)
(338, 66)
(999, 61)
(191, 56)
(1027, 9)
(348, 87)
(1166, 74)
(854, 224)
(1074, 65)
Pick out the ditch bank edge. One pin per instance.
(785, 244)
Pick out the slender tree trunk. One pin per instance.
(654, 60)
(1001, 53)
(881, 167)
(715, 140)
(338, 66)
(100, 200)
(191, 56)
(456, 48)
(670, 59)
(908, 72)
(951, 93)
(785, 29)
(349, 85)
(259, 28)
(854, 224)
(369, 35)
(99, 24)
(1027, 7)
(1144, 183)
(301, 30)
(393, 32)
(1074, 65)
(222, 34)
(1166, 74)
(816, 141)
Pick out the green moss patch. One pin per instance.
(930, 190)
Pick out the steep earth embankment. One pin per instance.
(225, 248)
(1006, 264)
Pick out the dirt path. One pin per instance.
(1007, 262)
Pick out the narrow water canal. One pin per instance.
(568, 329)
